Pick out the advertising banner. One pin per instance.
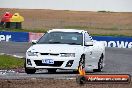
(14, 36)
(110, 41)
(34, 36)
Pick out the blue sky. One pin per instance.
(79, 5)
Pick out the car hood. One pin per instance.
(55, 48)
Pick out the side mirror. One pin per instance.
(88, 43)
(34, 41)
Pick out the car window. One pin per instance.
(62, 38)
(87, 38)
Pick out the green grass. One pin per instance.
(115, 35)
(9, 62)
(73, 27)
(88, 27)
(112, 29)
(24, 30)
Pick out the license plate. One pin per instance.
(48, 61)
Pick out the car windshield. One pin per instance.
(73, 38)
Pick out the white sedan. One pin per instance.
(65, 49)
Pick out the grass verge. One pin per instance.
(24, 30)
(9, 62)
(92, 31)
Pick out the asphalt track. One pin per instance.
(118, 61)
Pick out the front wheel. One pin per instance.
(30, 71)
(82, 61)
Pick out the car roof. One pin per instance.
(66, 30)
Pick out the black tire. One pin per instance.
(75, 72)
(29, 71)
(81, 80)
(100, 65)
(51, 70)
(82, 61)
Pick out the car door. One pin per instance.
(90, 51)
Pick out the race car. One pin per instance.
(65, 49)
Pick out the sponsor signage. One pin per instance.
(103, 78)
(34, 36)
(14, 36)
(110, 41)
(83, 78)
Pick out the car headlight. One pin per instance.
(29, 53)
(67, 54)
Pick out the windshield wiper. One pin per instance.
(54, 42)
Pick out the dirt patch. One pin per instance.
(55, 83)
(94, 22)
(35, 18)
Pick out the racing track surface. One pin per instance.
(117, 61)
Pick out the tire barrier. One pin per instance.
(10, 20)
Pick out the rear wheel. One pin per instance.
(51, 70)
(100, 65)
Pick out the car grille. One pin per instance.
(56, 63)
(52, 54)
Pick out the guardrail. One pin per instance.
(110, 41)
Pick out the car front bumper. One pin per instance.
(59, 62)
